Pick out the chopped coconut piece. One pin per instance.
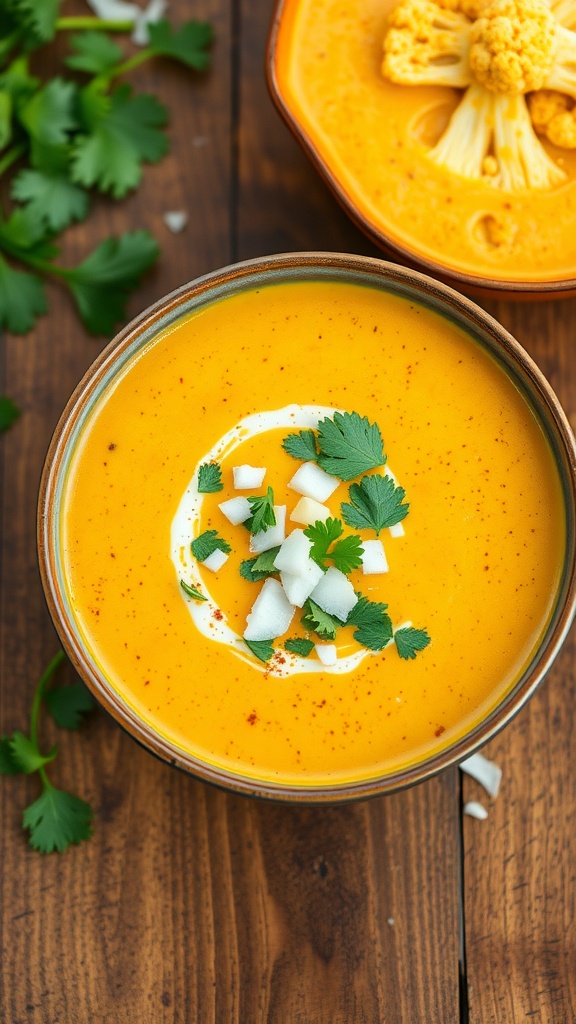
(309, 511)
(298, 588)
(294, 554)
(236, 510)
(247, 477)
(216, 560)
(175, 220)
(313, 482)
(271, 537)
(373, 558)
(115, 10)
(271, 613)
(475, 810)
(486, 772)
(152, 13)
(397, 530)
(335, 594)
(327, 653)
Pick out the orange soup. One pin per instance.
(477, 563)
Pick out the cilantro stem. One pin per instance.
(100, 24)
(45, 678)
(11, 156)
(128, 65)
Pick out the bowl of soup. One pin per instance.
(446, 130)
(306, 527)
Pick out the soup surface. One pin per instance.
(374, 136)
(478, 564)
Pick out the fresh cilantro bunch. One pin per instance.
(64, 138)
(56, 819)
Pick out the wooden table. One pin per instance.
(190, 905)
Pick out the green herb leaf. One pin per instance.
(192, 592)
(26, 754)
(124, 131)
(263, 514)
(208, 542)
(22, 299)
(376, 502)
(346, 553)
(209, 478)
(9, 413)
(409, 641)
(261, 649)
(69, 704)
(259, 568)
(318, 621)
(49, 116)
(349, 445)
(93, 52)
(8, 763)
(102, 283)
(299, 645)
(188, 44)
(301, 445)
(56, 820)
(374, 628)
(52, 199)
(40, 17)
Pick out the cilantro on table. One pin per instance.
(62, 139)
(261, 649)
(9, 413)
(209, 478)
(299, 645)
(409, 641)
(346, 552)
(192, 591)
(259, 568)
(57, 818)
(376, 502)
(263, 515)
(207, 543)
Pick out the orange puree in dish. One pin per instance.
(373, 137)
(478, 566)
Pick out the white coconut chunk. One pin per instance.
(397, 530)
(309, 511)
(298, 588)
(373, 558)
(486, 772)
(236, 510)
(175, 220)
(335, 594)
(313, 482)
(153, 13)
(216, 560)
(248, 477)
(327, 654)
(271, 613)
(271, 537)
(294, 554)
(475, 810)
(114, 10)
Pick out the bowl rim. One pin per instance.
(423, 288)
(474, 283)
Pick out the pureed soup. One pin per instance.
(475, 565)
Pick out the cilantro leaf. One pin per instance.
(49, 116)
(26, 754)
(69, 704)
(5, 119)
(349, 445)
(374, 627)
(318, 621)
(261, 649)
(301, 445)
(9, 413)
(208, 542)
(187, 44)
(263, 514)
(259, 568)
(209, 478)
(93, 52)
(346, 553)
(22, 298)
(40, 17)
(57, 819)
(376, 502)
(299, 645)
(125, 130)
(192, 592)
(410, 640)
(102, 282)
(8, 763)
(51, 197)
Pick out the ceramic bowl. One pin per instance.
(121, 354)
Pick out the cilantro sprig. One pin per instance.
(409, 641)
(209, 478)
(56, 819)
(375, 503)
(263, 515)
(259, 568)
(207, 543)
(328, 543)
(71, 137)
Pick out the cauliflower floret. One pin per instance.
(512, 45)
(562, 76)
(427, 44)
(565, 12)
(554, 115)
